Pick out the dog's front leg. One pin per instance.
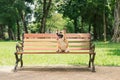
(58, 48)
(67, 50)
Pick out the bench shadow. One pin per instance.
(55, 69)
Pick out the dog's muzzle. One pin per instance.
(59, 35)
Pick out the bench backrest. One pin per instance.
(48, 42)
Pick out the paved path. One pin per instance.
(60, 73)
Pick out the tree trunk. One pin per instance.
(104, 25)
(22, 16)
(76, 26)
(24, 23)
(1, 32)
(18, 30)
(89, 28)
(43, 24)
(82, 25)
(95, 31)
(25, 26)
(10, 33)
(46, 7)
(116, 35)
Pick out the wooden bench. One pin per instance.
(79, 43)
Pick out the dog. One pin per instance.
(62, 42)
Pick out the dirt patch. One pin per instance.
(60, 73)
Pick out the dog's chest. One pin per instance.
(62, 44)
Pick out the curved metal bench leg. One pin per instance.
(93, 65)
(18, 59)
(89, 66)
(21, 60)
(16, 63)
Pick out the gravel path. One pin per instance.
(60, 73)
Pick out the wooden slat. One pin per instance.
(78, 40)
(47, 43)
(39, 44)
(68, 34)
(38, 40)
(55, 44)
(39, 48)
(39, 35)
(54, 48)
(82, 35)
(79, 44)
(54, 53)
(45, 40)
(79, 35)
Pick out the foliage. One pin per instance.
(56, 22)
(89, 13)
(83, 16)
(69, 26)
(12, 13)
(33, 28)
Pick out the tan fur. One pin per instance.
(62, 43)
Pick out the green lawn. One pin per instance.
(106, 54)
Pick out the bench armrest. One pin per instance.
(92, 47)
(19, 47)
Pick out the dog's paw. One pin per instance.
(57, 51)
(67, 51)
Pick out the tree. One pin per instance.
(46, 7)
(42, 11)
(93, 16)
(12, 13)
(8, 17)
(73, 10)
(96, 15)
(55, 22)
(116, 36)
(23, 9)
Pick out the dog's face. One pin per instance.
(60, 34)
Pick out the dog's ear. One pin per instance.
(57, 31)
(64, 31)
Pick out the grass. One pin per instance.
(107, 54)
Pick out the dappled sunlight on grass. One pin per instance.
(107, 54)
(7, 50)
(115, 52)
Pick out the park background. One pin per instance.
(101, 18)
